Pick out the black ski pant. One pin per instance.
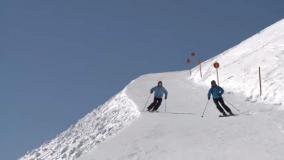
(220, 100)
(156, 104)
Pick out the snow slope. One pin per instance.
(89, 131)
(239, 66)
(180, 133)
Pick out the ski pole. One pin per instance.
(147, 102)
(165, 105)
(205, 108)
(233, 106)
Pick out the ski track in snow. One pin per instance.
(257, 133)
(254, 134)
(239, 66)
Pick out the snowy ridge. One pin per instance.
(180, 133)
(89, 131)
(239, 66)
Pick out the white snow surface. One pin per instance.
(180, 133)
(257, 132)
(239, 66)
(90, 131)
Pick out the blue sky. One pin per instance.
(59, 59)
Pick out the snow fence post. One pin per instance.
(217, 65)
(192, 55)
(260, 85)
(188, 62)
(200, 68)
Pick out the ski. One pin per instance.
(228, 115)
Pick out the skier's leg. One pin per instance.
(225, 106)
(152, 104)
(158, 104)
(216, 101)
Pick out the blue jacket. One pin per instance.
(216, 92)
(159, 92)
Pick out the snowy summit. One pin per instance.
(122, 129)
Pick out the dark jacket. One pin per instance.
(159, 92)
(216, 92)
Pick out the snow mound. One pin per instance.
(91, 130)
(239, 66)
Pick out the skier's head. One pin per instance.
(213, 83)
(160, 83)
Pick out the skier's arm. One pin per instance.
(152, 90)
(166, 93)
(221, 91)
(209, 93)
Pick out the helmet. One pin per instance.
(213, 82)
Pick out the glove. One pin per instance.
(151, 92)
(208, 98)
(166, 97)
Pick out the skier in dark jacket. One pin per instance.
(217, 92)
(159, 92)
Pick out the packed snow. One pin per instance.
(239, 66)
(178, 131)
(90, 131)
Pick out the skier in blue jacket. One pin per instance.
(159, 92)
(217, 92)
